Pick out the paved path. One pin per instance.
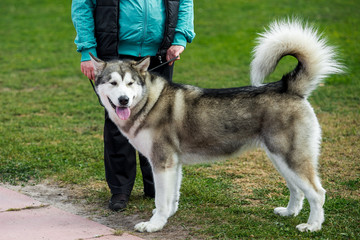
(22, 217)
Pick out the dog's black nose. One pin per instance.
(123, 100)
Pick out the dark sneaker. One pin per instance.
(118, 202)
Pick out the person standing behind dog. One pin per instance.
(130, 29)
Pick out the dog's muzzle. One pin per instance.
(123, 112)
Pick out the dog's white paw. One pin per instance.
(305, 227)
(148, 227)
(284, 212)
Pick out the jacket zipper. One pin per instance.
(145, 26)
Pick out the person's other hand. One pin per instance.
(87, 68)
(173, 51)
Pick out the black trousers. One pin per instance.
(120, 156)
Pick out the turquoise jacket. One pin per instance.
(141, 26)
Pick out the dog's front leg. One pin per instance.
(166, 187)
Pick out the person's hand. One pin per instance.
(173, 51)
(87, 68)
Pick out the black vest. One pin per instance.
(106, 17)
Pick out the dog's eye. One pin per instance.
(130, 83)
(113, 83)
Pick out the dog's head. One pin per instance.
(120, 84)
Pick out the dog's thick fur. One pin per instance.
(173, 124)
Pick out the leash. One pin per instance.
(162, 64)
(93, 86)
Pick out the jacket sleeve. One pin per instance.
(83, 20)
(184, 31)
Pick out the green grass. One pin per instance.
(51, 122)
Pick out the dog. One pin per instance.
(174, 124)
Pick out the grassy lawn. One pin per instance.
(51, 122)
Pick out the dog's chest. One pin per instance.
(143, 142)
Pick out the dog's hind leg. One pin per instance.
(316, 217)
(315, 194)
(167, 184)
(295, 203)
(302, 181)
(296, 195)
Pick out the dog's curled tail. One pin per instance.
(316, 60)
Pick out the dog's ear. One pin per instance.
(143, 64)
(99, 65)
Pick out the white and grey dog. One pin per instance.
(173, 124)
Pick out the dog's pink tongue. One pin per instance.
(123, 113)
